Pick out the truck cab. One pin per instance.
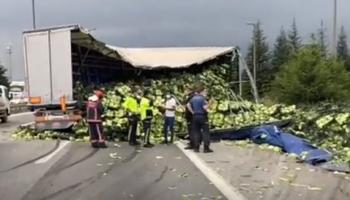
(17, 92)
(5, 109)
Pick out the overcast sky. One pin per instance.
(145, 23)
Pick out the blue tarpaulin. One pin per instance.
(271, 134)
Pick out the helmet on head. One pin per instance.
(99, 94)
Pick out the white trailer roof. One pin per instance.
(152, 58)
(146, 58)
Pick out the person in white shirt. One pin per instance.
(169, 120)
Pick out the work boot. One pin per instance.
(94, 145)
(134, 143)
(196, 150)
(148, 145)
(102, 145)
(208, 150)
(188, 147)
(165, 142)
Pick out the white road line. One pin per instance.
(225, 188)
(48, 157)
(20, 114)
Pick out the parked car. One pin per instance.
(5, 109)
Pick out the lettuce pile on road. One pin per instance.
(325, 125)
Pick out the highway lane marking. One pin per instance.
(20, 114)
(230, 192)
(51, 155)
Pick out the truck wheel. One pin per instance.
(4, 119)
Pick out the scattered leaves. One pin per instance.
(113, 155)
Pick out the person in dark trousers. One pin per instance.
(169, 120)
(94, 112)
(188, 117)
(198, 106)
(146, 106)
(132, 105)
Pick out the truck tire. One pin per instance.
(5, 118)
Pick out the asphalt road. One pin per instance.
(40, 170)
(13, 122)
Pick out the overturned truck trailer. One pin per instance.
(56, 58)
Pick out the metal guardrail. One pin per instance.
(19, 108)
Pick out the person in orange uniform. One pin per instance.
(94, 119)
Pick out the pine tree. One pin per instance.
(310, 77)
(322, 39)
(294, 38)
(342, 48)
(281, 52)
(3, 79)
(263, 75)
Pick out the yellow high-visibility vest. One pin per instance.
(131, 105)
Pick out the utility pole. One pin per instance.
(33, 10)
(335, 29)
(9, 52)
(254, 50)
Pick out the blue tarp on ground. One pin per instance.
(271, 134)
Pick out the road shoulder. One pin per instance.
(264, 174)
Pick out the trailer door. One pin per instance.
(37, 61)
(48, 66)
(61, 65)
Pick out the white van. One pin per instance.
(17, 92)
(5, 109)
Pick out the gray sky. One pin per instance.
(145, 23)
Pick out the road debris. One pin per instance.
(184, 175)
(110, 163)
(298, 185)
(99, 165)
(339, 173)
(113, 155)
(172, 170)
(172, 187)
(284, 179)
(104, 174)
(116, 145)
(138, 151)
(159, 157)
(314, 188)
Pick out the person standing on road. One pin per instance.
(169, 120)
(188, 117)
(198, 106)
(146, 105)
(94, 113)
(132, 106)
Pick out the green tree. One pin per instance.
(322, 39)
(294, 38)
(310, 77)
(3, 78)
(263, 68)
(342, 48)
(281, 51)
